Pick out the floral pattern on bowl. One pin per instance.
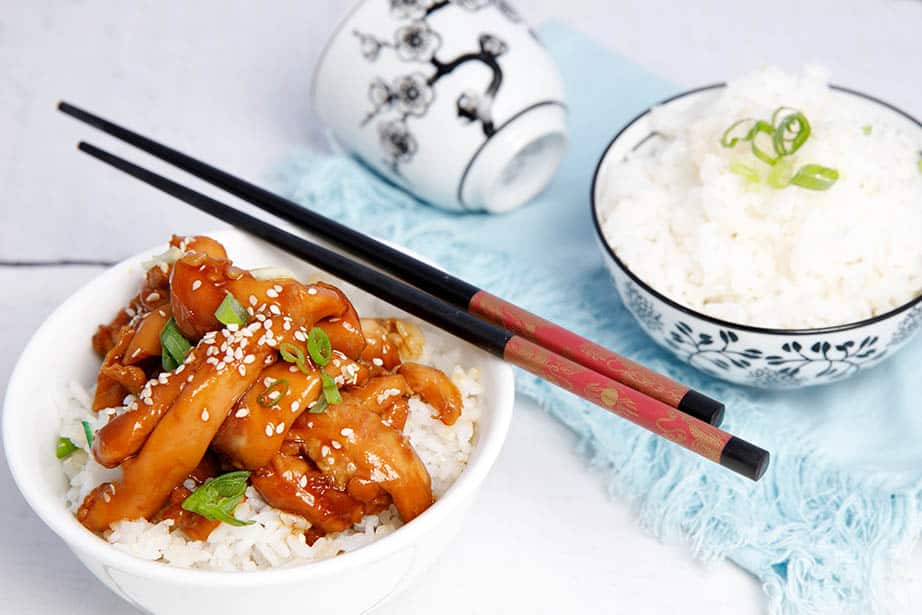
(754, 356)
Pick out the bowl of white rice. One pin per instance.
(767, 231)
(266, 566)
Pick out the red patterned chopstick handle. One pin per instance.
(577, 348)
(651, 414)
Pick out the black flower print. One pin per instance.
(417, 42)
(508, 11)
(370, 46)
(398, 144)
(413, 94)
(493, 46)
(469, 105)
(411, 9)
(408, 95)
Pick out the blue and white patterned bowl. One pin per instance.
(754, 356)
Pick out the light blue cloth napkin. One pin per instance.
(842, 496)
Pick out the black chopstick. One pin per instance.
(700, 437)
(449, 288)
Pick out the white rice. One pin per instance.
(277, 538)
(752, 254)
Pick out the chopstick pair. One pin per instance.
(543, 354)
(431, 279)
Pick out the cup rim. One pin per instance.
(86, 543)
(712, 319)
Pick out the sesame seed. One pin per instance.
(377, 361)
(336, 444)
(154, 296)
(346, 432)
(280, 428)
(295, 405)
(249, 359)
(252, 300)
(205, 415)
(275, 309)
(270, 429)
(311, 291)
(277, 288)
(196, 285)
(272, 293)
(242, 412)
(299, 335)
(242, 370)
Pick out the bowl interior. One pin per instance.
(60, 353)
(639, 135)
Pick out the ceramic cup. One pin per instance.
(457, 101)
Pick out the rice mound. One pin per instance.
(751, 254)
(277, 538)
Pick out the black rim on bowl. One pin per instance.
(711, 319)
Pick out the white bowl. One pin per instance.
(354, 582)
(755, 356)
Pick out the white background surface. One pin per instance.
(228, 81)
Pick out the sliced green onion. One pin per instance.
(319, 347)
(230, 312)
(815, 177)
(292, 353)
(319, 407)
(88, 432)
(65, 448)
(727, 141)
(866, 129)
(745, 171)
(779, 176)
(330, 390)
(919, 164)
(762, 127)
(796, 123)
(266, 399)
(218, 498)
(778, 111)
(174, 345)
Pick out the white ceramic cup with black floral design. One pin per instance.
(457, 101)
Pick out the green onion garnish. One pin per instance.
(266, 399)
(763, 127)
(319, 407)
(919, 164)
(745, 171)
(788, 134)
(727, 141)
(330, 390)
(319, 347)
(230, 312)
(174, 346)
(795, 123)
(218, 498)
(88, 432)
(779, 176)
(866, 129)
(815, 177)
(65, 448)
(293, 354)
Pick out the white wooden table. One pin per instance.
(228, 82)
